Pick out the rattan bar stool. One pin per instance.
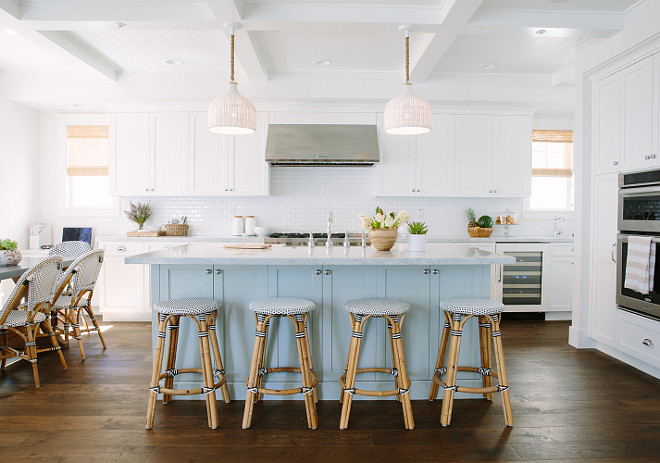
(360, 310)
(457, 312)
(204, 312)
(297, 310)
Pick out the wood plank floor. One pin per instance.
(568, 405)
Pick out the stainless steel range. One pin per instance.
(319, 239)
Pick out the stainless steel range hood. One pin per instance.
(297, 145)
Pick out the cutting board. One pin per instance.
(247, 246)
(145, 233)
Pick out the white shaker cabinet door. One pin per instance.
(122, 294)
(434, 157)
(472, 156)
(512, 156)
(130, 173)
(169, 153)
(249, 174)
(395, 171)
(638, 116)
(209, 154)
(608, 121)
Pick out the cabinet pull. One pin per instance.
(499, 274)
(318, 272)
(209, 271)
(652, 156)
(426, 271)
(613, 248)
(218, 271)
(436, 271)
(121, 248)
(327, 272)
(146, 189)
(616, 163)
(647, 157)
(647, 342)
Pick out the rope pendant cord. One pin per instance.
(231, 77)
(407, 59)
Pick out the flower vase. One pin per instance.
(417, 242)
(9, 258)
(383, 238)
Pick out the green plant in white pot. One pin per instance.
(9, 253)
(417, 236)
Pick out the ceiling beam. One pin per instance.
(249, 56)
(434, 46)
(11, 7)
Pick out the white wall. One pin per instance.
(19, 161)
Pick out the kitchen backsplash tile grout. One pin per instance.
(301, 198)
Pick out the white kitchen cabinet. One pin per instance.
(608, 119)
(640, 337)
(492, 156)
(149, 154)
(560, 278)
(495, 272)
(416, 165)
(225, 165)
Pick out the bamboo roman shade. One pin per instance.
(88, 148)
(552, 153)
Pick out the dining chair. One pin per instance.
(37, 285)
(70, 249)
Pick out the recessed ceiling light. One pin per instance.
(487, 66)
(174, 62)
(120, 25)
(76, 105)
(322, 62)
(541, 32)
(10, 32)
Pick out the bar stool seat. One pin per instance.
(457, 312)
(297, 310)
(360, 311)
(204, 312)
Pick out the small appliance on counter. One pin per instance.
(41, 234)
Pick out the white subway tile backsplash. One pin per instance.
(301, 198)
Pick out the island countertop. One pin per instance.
(217, 254)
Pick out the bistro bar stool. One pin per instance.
(204, 313)
(297, 310)
(458, 311)
(360, 310)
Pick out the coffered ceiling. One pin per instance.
(116, 44)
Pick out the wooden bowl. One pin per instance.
(383, 238)
(476, 232)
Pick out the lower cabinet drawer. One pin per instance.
(640, 337)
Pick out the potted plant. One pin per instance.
(139, 213)
(9, 253)
(417, 236)
(382, 228)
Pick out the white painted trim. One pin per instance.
(628, 359)
(580, 338)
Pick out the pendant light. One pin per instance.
(232, 113)
(407, 114)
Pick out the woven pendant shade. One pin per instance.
(407, 114)
(232, 113)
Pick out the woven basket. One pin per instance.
(476, 232)
(176, 229)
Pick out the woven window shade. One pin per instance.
(88, 148)
(552, 153)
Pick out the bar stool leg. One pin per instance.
(262, 358)
(309, 357)
(501, 370)
(155, 373)
(452, 365)
(207, 369)
(224, 390)
(484, 349)
(442, 352)
(357, 321)
(397, 379)
(252, 390)
(307, 388)
(170, 363)
(404, 382)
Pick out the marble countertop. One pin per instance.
(217, 254)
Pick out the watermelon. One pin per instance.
(485, 222)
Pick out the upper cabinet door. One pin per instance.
(249, 174)
(512, 156)
(209, 154)
(608, 119)
(638, 116)
(169, 153)
(395, 171)
(434, 157)
(472, 155)
(130, 172)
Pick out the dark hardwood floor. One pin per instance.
(568, 405)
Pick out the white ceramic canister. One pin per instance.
(250, 223)
(237, 225)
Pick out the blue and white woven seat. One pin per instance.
(282, 306)
(472, 306)
(20, 318)
(187, 306)
(376, 306)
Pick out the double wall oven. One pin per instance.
(638, 214)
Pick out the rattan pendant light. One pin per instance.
(407, 113)
(232, 113)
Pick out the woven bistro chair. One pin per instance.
(74, 295)
(37, 285)
(70, 249)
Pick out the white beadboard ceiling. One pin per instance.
(280, 39)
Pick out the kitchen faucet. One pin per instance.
(328, 242)
(556, 230)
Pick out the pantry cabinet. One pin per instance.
(560, 278)
(149, 153)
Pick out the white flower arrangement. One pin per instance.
(383, 220)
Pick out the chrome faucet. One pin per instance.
(328, 242)
(556, 231)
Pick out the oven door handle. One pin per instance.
(638, 191)
(613, 250)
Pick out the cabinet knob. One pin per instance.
(318, 272)
(436, 271)
(327, 272)
(426, 271)
(209, 271)
(647, 342)
(146, 189)
(616, 163)
(218, 271)
(121, 248)
(652, 156)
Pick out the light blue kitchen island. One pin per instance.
(328, 277)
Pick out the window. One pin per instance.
(87, 159)
(552, 170)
